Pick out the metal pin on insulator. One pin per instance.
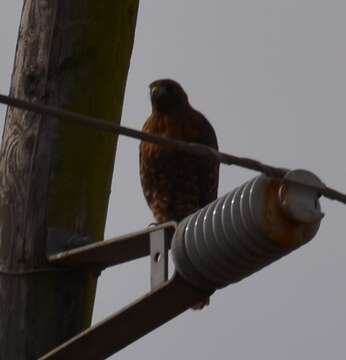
(247, 229)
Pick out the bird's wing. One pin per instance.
(208, 166)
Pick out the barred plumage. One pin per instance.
(175, 184)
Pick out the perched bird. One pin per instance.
(175, 183)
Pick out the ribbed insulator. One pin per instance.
(245, 230)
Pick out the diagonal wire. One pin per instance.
(192, 148)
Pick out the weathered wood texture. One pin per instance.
(74, 55)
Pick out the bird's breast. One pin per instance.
(170, 127)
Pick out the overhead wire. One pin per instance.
(192, 148)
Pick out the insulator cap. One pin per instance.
(245, 230)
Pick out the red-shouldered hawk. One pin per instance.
(175, 183)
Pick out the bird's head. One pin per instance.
(167, 95)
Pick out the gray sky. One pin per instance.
(270, 75)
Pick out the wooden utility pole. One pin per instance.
(73, 55)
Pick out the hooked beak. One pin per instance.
(154, 90)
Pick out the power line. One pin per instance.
(192, 148)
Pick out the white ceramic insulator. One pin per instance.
(227, 240)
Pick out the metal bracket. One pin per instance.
(168, 298)
(114, 251)
(158, 258)
(131, 323)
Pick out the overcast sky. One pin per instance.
(270, 76)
